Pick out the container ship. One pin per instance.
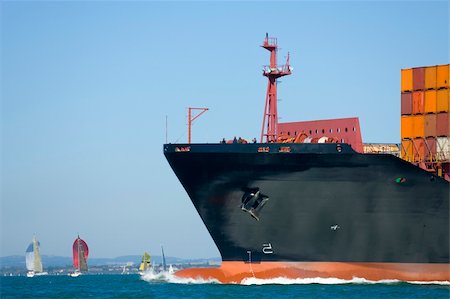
(310, 199)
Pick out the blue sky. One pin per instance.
(86, 88)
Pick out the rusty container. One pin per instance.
(443, 149)
(406, 80)
(442, 76)
(418, 126)
(418, 102)
(430, 101)
(418, 78)
(406, 103)
(419, 149)
(407, 127)
(442, 100)
(430, 77)
(443, 124)
(430, 125)
(430, 143)
(407, 150)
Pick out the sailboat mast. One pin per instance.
(164, 258)
(79, 253)
(35, 253)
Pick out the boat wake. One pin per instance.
(444, 283)
(165, 276)
(315, 280)
(319, 280)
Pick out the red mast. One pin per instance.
(272, 72)
(191, 119)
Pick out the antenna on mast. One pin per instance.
(166, 128)
(272, 72)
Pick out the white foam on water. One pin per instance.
(439, 282)
(315, 280)
(151, 276)
(331, 280)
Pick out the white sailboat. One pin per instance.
(33, 259)
(170, 270)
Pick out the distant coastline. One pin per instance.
(60, 265)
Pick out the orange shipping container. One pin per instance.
(407, 127)
(418, 78)
(430, 101)
(420, 151)
(442, 100)
(407, 150)
(407, 80)
(418, 126)
(443, 124)
(418, 102)
(430, 77)
(442, 76)
(406, 103)
(430, 125)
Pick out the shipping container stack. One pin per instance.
(425, 117)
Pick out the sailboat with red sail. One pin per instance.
(80, 256)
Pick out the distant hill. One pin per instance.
(63, 261)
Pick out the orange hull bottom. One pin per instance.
(235, 272)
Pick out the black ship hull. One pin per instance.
(314, 203)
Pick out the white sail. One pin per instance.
(37, 256)
(29, 257)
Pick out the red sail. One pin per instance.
(79, 245)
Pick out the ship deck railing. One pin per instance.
(382, 148)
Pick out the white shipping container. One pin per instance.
(443, 149)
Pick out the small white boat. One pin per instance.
(75, 274)
(171, 270)
(33, 274)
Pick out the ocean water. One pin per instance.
(168, 286)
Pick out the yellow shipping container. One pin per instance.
(430, 77)
(442, 76)
(407, 127)
(430, 101)
(407, 80)
(418, 126)
(407, 150)
(442, 100)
